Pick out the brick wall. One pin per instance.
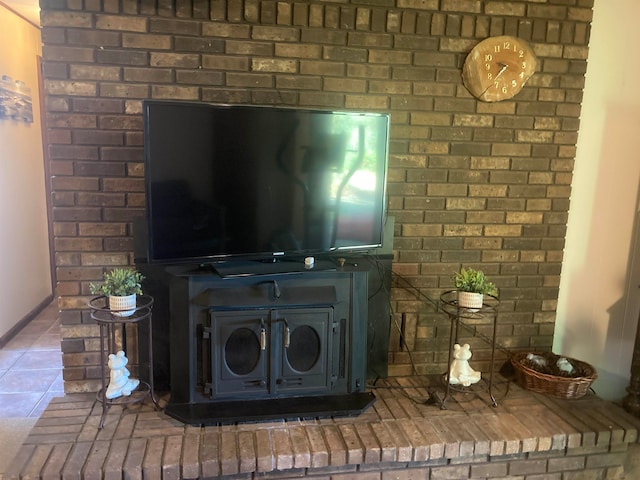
(470, 183)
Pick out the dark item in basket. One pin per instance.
(540, 372)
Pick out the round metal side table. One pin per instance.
(456, 313)
(110, 325)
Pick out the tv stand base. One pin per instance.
(277, 408)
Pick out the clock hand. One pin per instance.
(504, 67)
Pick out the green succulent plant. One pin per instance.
(470, 280)
(119, 282)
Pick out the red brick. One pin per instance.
(93, 37)
(152, 465)
(99, 169)
(77, 244)
(121, 57)
(175, 60)
(115, 459)
(97, 105)
(229, 463)
(97, 137)
(123, 90)
(75, 183)
(265, 460)
(190, 465)
(200, 44)
(354, 449)
(171, 457)
(65, 87)
(174, 92)
(146, 41)
(67, 54)
(55, 71)
(132, 467)
(68, 214)
(150, 75)
(172, 26)
(371, 447)
(93, 72)
(124, 23)
(247, 452)
(73, 152)
(282, 449)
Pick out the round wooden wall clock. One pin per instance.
(498, 67)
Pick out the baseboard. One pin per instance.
(13, 331)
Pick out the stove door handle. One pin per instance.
(263, 335)
(287, 334)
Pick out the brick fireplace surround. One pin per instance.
(469, 183)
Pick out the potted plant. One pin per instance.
(120, 286)
(472, 285)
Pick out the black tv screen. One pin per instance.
(227, 181)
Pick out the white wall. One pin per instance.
(599, 295)
(25, 276)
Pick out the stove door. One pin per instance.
(305, 350)
(239, 353)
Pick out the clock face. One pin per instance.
(498, 67)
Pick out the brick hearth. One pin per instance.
(528, 436)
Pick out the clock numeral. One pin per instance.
(507, 45)
(504, 89)
(489, 76)
(496, 48)
(514, 84)
(487, 66)
(521, 75)
(488, 57)
(524, 65)
(521, 53)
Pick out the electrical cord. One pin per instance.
(399, 281)
(404, 283)
(375, 261)
(420, 295)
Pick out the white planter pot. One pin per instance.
(122, 306)
(470, 300)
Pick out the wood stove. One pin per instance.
(267, 346)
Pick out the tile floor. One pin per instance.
(31, 367)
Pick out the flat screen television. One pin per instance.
(236, 182)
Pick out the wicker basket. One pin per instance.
(557, 385)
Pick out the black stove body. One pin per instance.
(258, 347)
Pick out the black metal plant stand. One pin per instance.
(110, 324)
(449, 304)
